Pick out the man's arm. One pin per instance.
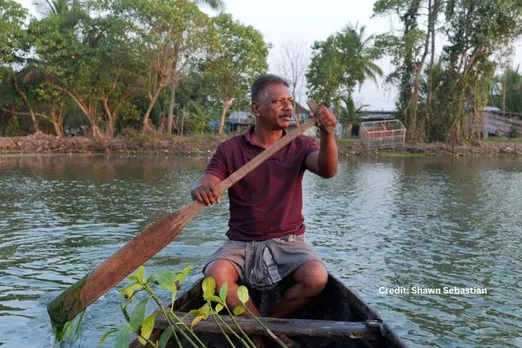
(205, 190)
(324, 161)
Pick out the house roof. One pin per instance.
(240, 117)
(299, 109)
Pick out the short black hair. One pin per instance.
(262, 81)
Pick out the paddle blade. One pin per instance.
(108, 274)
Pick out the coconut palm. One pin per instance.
(360, 53)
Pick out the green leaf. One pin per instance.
(148, 325)
(180, 277)
(105, 335)
(209, 287)
(196, 320)
(194, 312)
(130, 291)
(138, 275)
(123, 339)
(239, 310)
(219, 307)
(137, 315)
(164, 338)
(223, 292)
(213, 298)
(165, 279)
(242, 294)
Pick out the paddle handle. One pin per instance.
(313, 105)
(263, 156)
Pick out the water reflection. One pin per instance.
(381, 222)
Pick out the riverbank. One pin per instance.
(192, 145)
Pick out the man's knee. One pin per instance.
(313, 275)
(222, 271)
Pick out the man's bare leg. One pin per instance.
(223, 272)
(310, 279)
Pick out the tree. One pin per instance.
(238, 55)
(405, 52)
(168, 34)
(12, 17)
(339, 64)
(468, 68)
(216, 5)
(511, 89)
(342, 62)
(292, 64)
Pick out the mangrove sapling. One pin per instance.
(136, 321)
(209, 290)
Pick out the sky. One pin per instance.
(292, 20)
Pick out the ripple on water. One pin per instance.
(425, 222)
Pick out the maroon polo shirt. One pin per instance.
(267, 203)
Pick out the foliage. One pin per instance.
(238, 54)
(136, 320)
(508, 97)
(443, 101)
(13, 127)
(12, 17)
(340, 63)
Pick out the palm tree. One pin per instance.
(347, 112)
(216, 5)
(360, 53)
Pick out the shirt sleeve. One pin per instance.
(218, 164)
(313, 147)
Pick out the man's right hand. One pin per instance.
(206, 192)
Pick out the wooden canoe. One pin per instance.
(338, 317)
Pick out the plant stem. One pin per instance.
(247, 344)
(223, 331)
(240, 329)
(270, 333)
(167, 317)
(152, 344)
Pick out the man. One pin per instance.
(266, 234)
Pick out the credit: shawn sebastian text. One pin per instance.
(417, 290)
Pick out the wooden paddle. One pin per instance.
(146, 244)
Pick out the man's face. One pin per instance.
(274, 108)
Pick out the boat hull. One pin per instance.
(336, 303)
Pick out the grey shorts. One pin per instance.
(264, 263)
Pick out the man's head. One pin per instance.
(271, 102)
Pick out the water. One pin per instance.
(424, 222)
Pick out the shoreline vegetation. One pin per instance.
(205, 145)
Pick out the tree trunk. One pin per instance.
(504, 92)
(431, 28)
(149, 109)
(172, 102)
(413, 127)
(110, 122)
(223, 116)
(57, 123)
(31, 112)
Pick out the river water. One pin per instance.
(381, 225)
